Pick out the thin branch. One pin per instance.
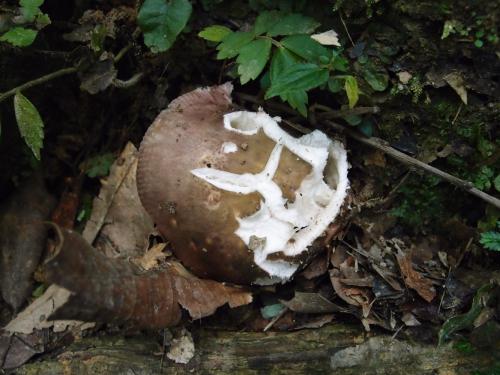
(38, 81)
(127, 83)
(408, 160)
(329, 113)
(345, 27)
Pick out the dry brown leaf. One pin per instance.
(414, 279)
(202, 297)
(119, 225)
(34, 317)
(113, 290)
(152, 257)
(312, 303)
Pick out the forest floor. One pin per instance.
(412, 266)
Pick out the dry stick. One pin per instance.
(38, 81)
(402, 157)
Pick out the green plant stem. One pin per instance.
(37, 81)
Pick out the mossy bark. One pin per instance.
(338, 349)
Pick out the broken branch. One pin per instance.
(408, 160)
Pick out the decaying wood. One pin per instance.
(115, 291)
(22, 238)
(338, 349)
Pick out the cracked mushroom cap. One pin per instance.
(240, 199)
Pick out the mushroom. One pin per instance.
(239, 198)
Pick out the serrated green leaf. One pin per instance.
(491, 240)
(19, 36)
(233, 43)
(292, 24)
(282, 60)
(29, 122)
(214, 33)
(162, 21)
(352, 91)
(298, 77)
(305, 47)
(496, 183)
(298, 100)
(252, 59)
(265, 21)
(30, 8)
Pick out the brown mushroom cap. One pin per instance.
(198, 218)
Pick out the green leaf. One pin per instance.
(352, 91)
(298, 77)
(232, 44)
(214, 33)
(30, 8)
(305, 47)
(353, 119)
(466, 320)
(298, 100)
(496, 183)
(271, 311)
(334, 84)
(376, 77)
(282, 60)
(161, 21)
(252, 59)
(19, 36)
(293, 24)
(490, 240)
(99, 166)
(340, 63)
(265, 21)
(29, 122)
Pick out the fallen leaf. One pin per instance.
(457, 83)
(119, 225)
(414, 279)
(114, 290)
(312, 303)
(152, 257)
(316, 322)
(34, 317)
(404, 77)
(327, 38)
(409, 320)
(22, 238)
(98, 76)
(182, 348)
(17, 350)
(201, 297)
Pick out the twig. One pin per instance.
(38, 81)
(127, 83)
(275, 319)
(329, 113)
(456, 114)
(405, 159)
(345, 27)
(122, 52)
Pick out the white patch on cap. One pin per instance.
(288, 227)
(228, 147)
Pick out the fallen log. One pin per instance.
(339, 349)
